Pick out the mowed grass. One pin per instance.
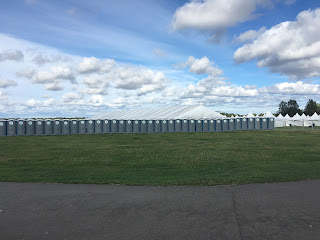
(163, 159)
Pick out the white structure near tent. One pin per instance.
(297, 120)
(182, 112)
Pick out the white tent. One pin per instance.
(314, 120)
(181, 112)
(250, 115)
(268, 115)
(280, 121)
(297, 120)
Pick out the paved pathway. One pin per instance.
(255, 211)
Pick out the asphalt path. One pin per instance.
(77, 211)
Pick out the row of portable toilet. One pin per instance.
(65, 127)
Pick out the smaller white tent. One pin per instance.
(280, 121)
(314, 120)
(268, 115)
(250, 115)
(297, 120)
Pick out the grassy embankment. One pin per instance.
(163, 159)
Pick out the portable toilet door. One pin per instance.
(270, 123)
(65, 127)
(136, 126)
(185, 127)
(90, 126)
(82, 127)
(74, 126)
(177, 125)
(106, 128)
(114, 126)
(39, 127)
(57, 127)
(129, 127)
(264, 123)
(257, 123)
(251, 123)
(238, 124)
(11, 127)
(143, 127)
(171, 126)
(3, 128)
(164, 126)
(150, 128)
(211, 125)
(231, 124)
(244, 124)
(205, 125)
(218, 125)
(21, 127)
(225, 125)
(48, 127)
(122, 126)
(98, 126)
(30, 127)
(157, 126)
(199, 126)
(192, 125)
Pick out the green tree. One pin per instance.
(311, 107)
(283, 108)
(293, 108)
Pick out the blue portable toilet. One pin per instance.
(136, 126)
(30, 127)
(3, 128)
(205, 125)
(74, 126)
(39, 127)
(122, 126)
(65, 127)
(251, 123)
(244, 124)
(114, 126)
(211, 125)
(90, 126)
(82, 127)
(264, 123)
(164, 126)
(238, 124)
(271, 123)
(192, 125)
(185, 125)
(143, 126)
(199, 126)
(48, 127)
(150, 126)
(225, 125)
(231, 124)
(257, 124)
(98, 126)
(11, 127)
(129, 126)
(106, 128)
(57, 129)
(21, 127)
(218, 124)
(157, 126)
(171, 125)
(177, 125)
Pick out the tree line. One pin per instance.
(292, 108)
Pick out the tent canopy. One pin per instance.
(181, 112)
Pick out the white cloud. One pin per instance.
(11, 55)
(96, 84)
(158, 52)
(250, 35)
(70, 97)
(291, 48)
(55, 86)
(215, 16)
(203, 65)
(4, 83)
(92, 64)
(292, 88)
(96, 100)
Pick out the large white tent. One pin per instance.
(182, 112)
(297, 120)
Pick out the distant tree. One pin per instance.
(291, 107)
(311, 107)
(283, 108)
(318, 108)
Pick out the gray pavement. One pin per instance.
(65, 211)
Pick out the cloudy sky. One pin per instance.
(74, 58)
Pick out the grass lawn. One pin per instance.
(163, 159)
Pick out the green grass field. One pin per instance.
(163, 159)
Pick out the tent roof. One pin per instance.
(315, 116)
(268, 115)
(296, 117)
(181, 112)
(250, 115)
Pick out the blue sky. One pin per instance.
(80, 58)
